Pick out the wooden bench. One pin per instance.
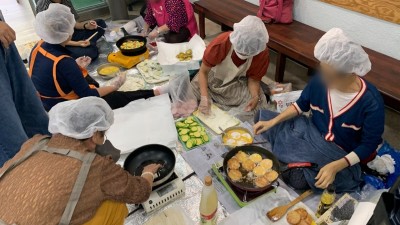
(297, 41)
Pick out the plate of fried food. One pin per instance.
(299, 216)
(251, 168)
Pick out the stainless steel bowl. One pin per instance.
(108, 76)
(235, 128)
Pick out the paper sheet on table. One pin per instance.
(142, 122)
(201, 160)
(217, 119)
(167, 52)
(171, 216)
(254, 213)
(363, 213)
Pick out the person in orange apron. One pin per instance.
(61, 180)
(57, 76)
(233, 66)
(174, 19)
(79, 44)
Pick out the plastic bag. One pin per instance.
(184, 102)
(278, 88)
(390, 178)
(284, 100)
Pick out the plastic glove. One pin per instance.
(205, 105)
(118, 81)
(83, 61)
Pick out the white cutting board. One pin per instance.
(143, 122)
(217, 118)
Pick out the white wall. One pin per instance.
(371, 32)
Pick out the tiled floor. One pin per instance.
(20, 17)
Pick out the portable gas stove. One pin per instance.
(165, 193)
(241, 197)
(127, 61)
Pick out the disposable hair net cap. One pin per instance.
(337, 50)
(55, 24)
(249, 37)
(81, 118)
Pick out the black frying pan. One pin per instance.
(150, 154)
(265, 154)
(132, 52)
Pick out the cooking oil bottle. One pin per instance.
(208, 203)
(327, 199)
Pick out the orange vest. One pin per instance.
(38, 49)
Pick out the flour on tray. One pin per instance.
(151, 71)
(132, 84)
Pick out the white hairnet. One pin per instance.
(337, 50)
(249, 36)
(80, 118)
(55, 24)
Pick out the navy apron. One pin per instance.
(298, 140)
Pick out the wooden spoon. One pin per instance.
(278, 212)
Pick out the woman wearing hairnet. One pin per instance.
(346, 125)
(58, 77)
(60, 179)
(232, 68)
(79, 45)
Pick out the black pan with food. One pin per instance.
(150, 154)
(245, 185)
(265, 154)
(135, 51)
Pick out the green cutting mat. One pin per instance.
(83, 4)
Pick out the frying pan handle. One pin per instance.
(124, 31)
(302, 165)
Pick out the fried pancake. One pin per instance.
(266, 163)
(256, 158)
(235, 175)
(271, 176)
(259, 171)
(293, 218)
(303, 213)
(261, 182)
(241, 156)
(233, 164)
(248, 165)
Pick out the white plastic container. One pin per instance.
(208, 203)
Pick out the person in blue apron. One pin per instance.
(347, 121)
(61, 180)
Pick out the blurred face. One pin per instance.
(333, 78)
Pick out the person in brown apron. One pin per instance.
(232, 68)
(61, 180)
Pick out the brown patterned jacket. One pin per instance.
(37, 191)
